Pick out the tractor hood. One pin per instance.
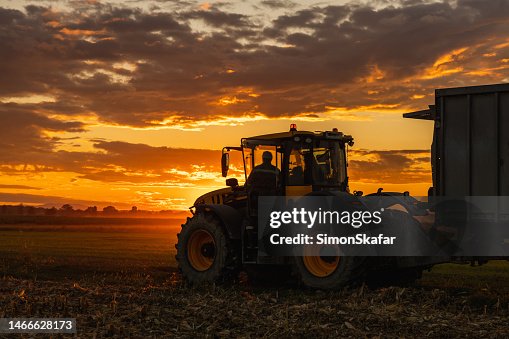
(213, 197)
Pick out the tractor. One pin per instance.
(469, 158)
(220, 239)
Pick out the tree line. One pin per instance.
(69, 210)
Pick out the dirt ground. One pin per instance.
(139, 306)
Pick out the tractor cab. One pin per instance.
(301, 162)
(222, 235)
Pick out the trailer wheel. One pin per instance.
(329, 272)
(204, 252)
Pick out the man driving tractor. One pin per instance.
(264, 178)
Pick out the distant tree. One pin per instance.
(92, 210)
(109, 210)
(134, 209)
(67, 208)
(51, 211)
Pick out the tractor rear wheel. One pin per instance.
(204, 252)
(329, 272)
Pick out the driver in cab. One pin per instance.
(263, 179)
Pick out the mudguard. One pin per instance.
(229, 217)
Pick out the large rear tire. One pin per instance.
(329, 272)
(204, 252)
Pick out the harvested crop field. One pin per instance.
(139, 306)
(120, 295)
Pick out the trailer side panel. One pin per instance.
(471, 156)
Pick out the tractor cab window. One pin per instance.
(320, 163)
(263, 169)
(299, 168)
(261, 151)
(329, 164)
(248, 160)
(254, 157)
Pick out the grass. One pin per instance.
(97, 247)
(49, 252)
(480, 286)
(495, 273)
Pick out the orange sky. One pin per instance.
(107, 103)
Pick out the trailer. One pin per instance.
(470, 165)
(470, 150)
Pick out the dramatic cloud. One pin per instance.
(79, 65)
(24, 140)
(129, 163)
(276, 4)
(390, 167)
(128, 66)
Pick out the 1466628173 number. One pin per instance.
(37, 325)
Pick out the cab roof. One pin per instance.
(290, 135)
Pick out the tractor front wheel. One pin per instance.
(204, 253)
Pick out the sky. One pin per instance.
(130, 102)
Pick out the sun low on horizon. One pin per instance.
(130, 103)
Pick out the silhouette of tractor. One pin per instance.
(222, 236)
(469, 157)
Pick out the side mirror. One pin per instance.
(225, 164)
(232, 182)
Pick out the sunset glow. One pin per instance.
(130, 103)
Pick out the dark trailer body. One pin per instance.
(470, 150)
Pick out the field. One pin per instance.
(120, 280)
